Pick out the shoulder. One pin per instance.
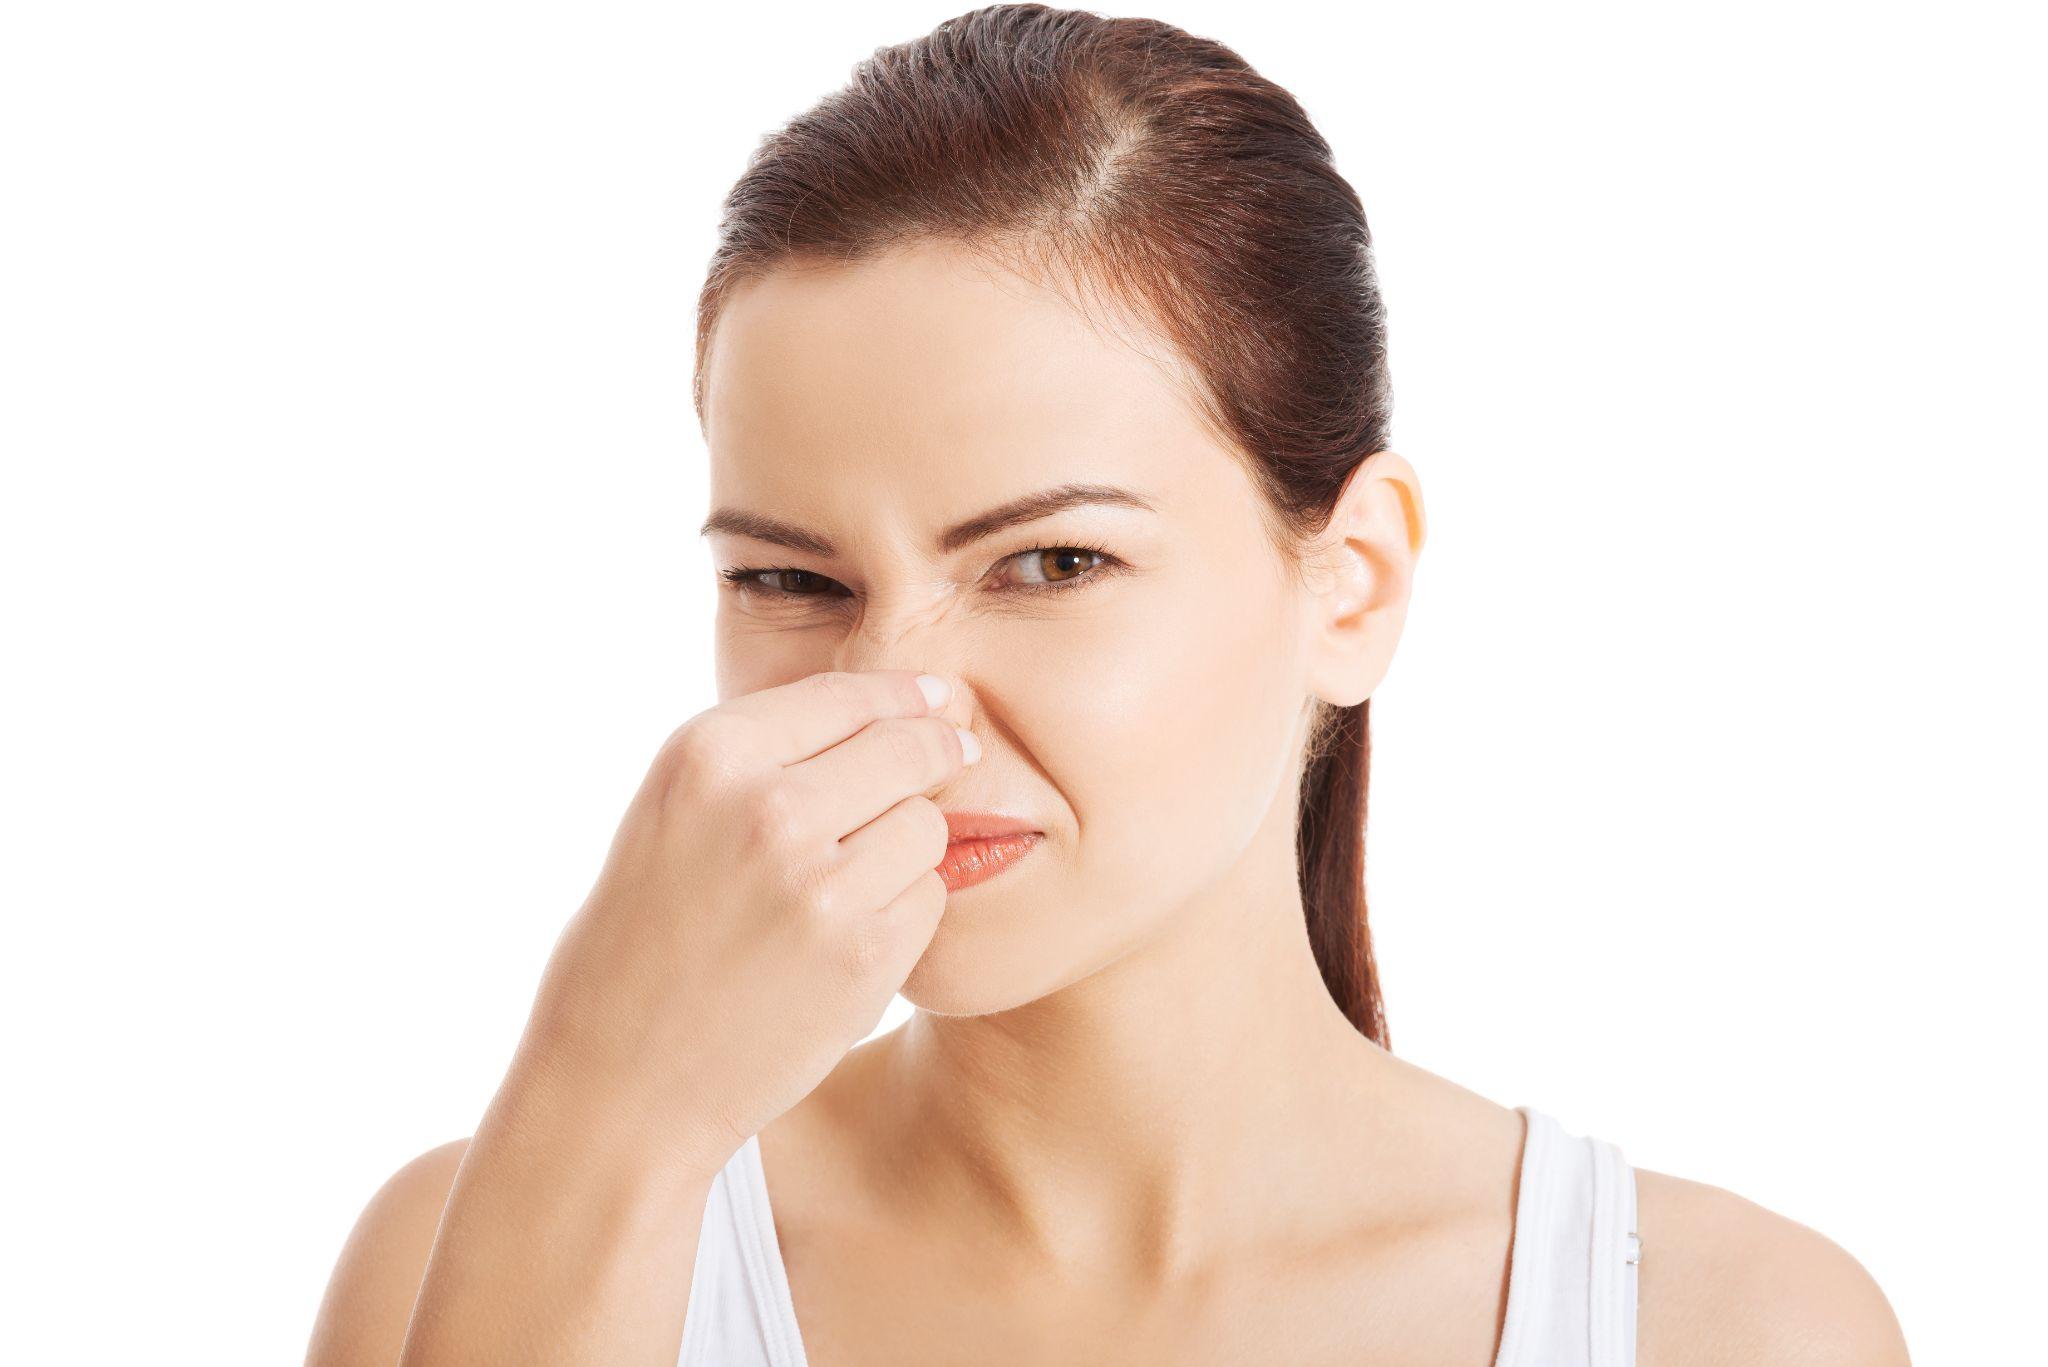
(376, 1279)
(1725, 1281)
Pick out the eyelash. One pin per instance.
(744, 577)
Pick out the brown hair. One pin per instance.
(1128, 154)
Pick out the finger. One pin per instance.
(797, 720)
(906, 926)
(860, 778)
(879, 861)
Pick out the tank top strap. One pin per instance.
(1572, 1263)
(1571, 1273)
(740, 1313)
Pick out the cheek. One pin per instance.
(1161, 724)
(1158, 732)
(755, 650)
(1165, 726)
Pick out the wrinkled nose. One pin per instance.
(916, 629)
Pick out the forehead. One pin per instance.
(927, 361)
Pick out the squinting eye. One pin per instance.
(1057, 568)
(1047, 569)
(748, 579)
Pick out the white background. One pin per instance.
(351, 580)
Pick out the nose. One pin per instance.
(903, 640)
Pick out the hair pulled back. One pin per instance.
(1131, 158)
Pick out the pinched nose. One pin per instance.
(912, 627)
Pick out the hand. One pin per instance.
(770, 887)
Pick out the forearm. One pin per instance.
(569, 1237)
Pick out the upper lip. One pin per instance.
(984, 826)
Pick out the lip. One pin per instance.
(986, 826)
(983, 845)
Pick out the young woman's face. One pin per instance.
(1133, 667)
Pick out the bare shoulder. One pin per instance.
(1725, 1281)
(369, 1298)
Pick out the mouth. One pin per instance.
(983, 845)
(986, 826)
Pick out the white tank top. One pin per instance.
(1571, 1275)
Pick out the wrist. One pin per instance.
(567, 1111)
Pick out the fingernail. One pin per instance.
(970, 748)
(936, 690)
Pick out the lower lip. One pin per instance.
(968, 862)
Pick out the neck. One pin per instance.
(1148, 1115)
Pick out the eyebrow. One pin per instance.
(1029, 508)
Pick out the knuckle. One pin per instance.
(697, 756)
(935, 833)
(771, 818)
(839, 688)
(844, 939)
(910, 746)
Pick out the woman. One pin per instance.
(1060, 551)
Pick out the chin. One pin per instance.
(994, 953)
(955, 978)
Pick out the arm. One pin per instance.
(772, 884)
(1725, 1281)
(551, 1236)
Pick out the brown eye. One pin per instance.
(777, 583)
(1062, 564)
(798, 582)
(1047, 569)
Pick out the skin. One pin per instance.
(1127, 1123)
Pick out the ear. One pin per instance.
(1364, 568)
